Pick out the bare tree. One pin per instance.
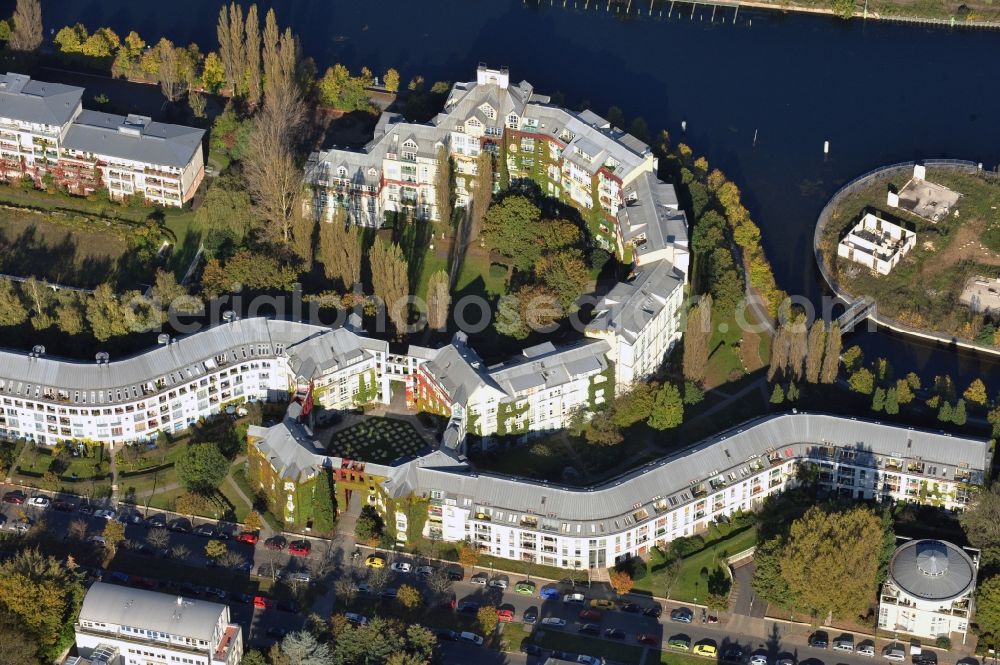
(252, 49)
(158, 537)
(231, 559)
(78, 529)
(169, 74)
(438, 300)
(378, 578)
(439, 582)
(346, 589)
(27, 34)
(180, 552)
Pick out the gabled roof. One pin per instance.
(459, 370)
(290, 447)
(629, 306)
(135, 138)
(151, 610)
(545, 367)
(40, 102)
(651, 213)
(331, 351)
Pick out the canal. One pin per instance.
(878, 92)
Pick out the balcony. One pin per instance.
(229, 639)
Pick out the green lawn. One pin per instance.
(377, 440)
(676, 659)
(690, 586)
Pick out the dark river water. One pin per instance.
(879, 92)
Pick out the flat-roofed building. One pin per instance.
(152, 628)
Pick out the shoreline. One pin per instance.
(847, 298)
(863, 15)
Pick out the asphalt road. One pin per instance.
(332, 560)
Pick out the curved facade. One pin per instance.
(929, 589)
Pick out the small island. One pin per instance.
(923, 242)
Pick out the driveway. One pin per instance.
(745, 600)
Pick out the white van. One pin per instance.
(471, 637)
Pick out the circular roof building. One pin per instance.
(932, 570)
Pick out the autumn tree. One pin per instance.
(390, 281)
(27, 32)
(443, 186)
(468, 556)
(251, 49)
(272, 174)
(697, 334)
(44, 598)
(831, 355)
(438, 300)
(169, 74)
(831, 560)
(391, 80)
(215, 549)
(620, 581)
(487, 619)
(114, 533)
(409, 597)
(814, 355)
(862, 381)
(976, 393)
(340, 251)
(12, 309)
(668, 408)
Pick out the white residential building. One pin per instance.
(44, 130)
(877, 244)
(151, 628)
(929, 591)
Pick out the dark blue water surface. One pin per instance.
(879, 92)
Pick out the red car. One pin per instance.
(247, 537)
(16, 497)
(590, 615)
(646, 638)
(299, 547)
(262, 602)
(505, 616)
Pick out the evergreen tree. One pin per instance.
(891, 402)
(878, 401)
(944, 413)
(777, 394)
(958, 413)
(792, 394)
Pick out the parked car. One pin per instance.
(472, 638)
(467, 607)
(505, 615)
(655, 611)
(614, 634)
(866, 648)
(424, 571)
(554, 622)
(631, 607)
(271, 570)
(248, 537)
(456, 574)
(449, 635)
(105, 514)
(389, 593)
(63, 506)
(16, 497)
(276, 543)
(205, 531)
(530, 615)
(549, 593)
(819, 640)
(705, 648)
(590, 615)
(300, 577)
(243, 598)
(532, 649)
(21, 525)
(400, 567)
(844, 643)
(179, 525)
(732, 654)
(262, 602)
(574, 599)
(525, 587)
(646, 638)
(156, 519)
(924, 658)
(299, 547)
(499, 582)
(758, 659)
(895, 652)
(39, 502)
(680, 615)
(375, 561)
(589, 660)
(127, 516)
(679, 643)
(589, 629)
(482, 579)
(602, 604)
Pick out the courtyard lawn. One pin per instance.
(377, 440)
(689, 585)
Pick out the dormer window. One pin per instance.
(488, 111)
(512, 121)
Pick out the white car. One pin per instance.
(866, 650)
(401, 567)
(574, 598)
(471, 637)
(894, 653)
(758, 659)
(589, 660)
(554, 622)
(105, 514)
(426, 571)
(498, 583)
(479, 578)
(39, 501)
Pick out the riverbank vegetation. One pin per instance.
(924, 290)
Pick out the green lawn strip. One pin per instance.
(165, 500)
(568, 641)
(667, 658)
(690, 586)
(240, 478)
(514, 633)
(240, 506)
